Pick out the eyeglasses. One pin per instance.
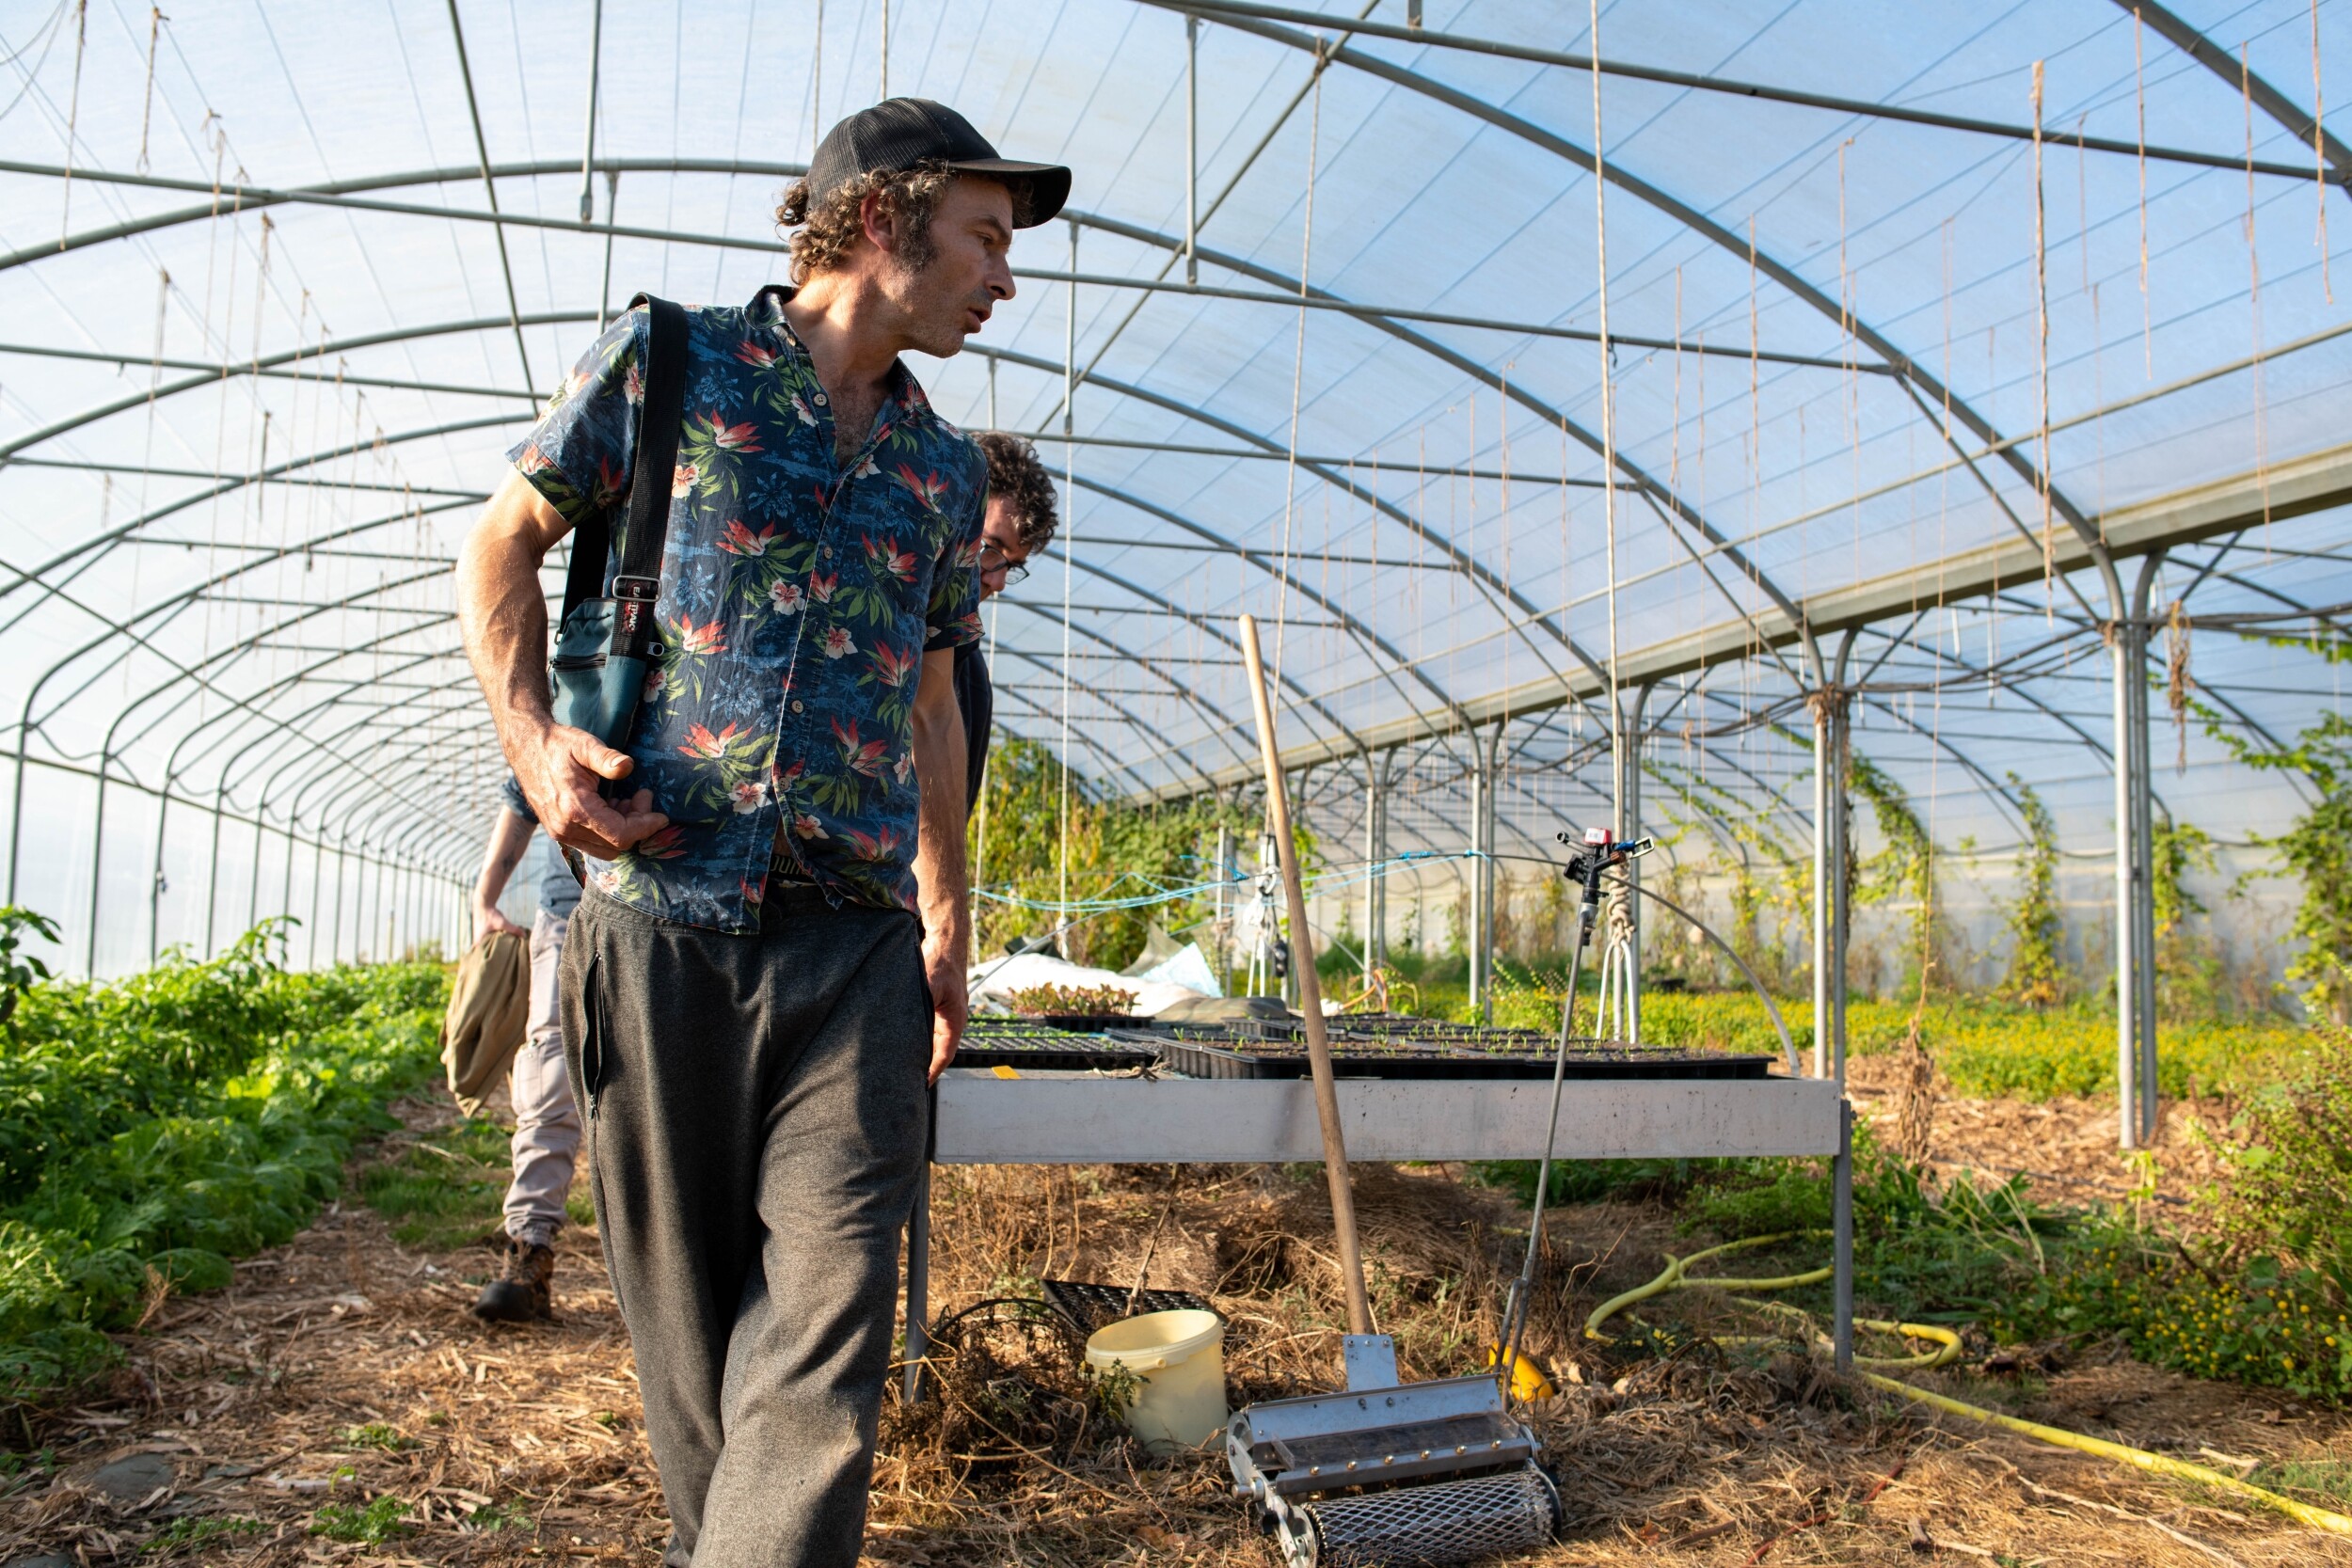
(994, 558)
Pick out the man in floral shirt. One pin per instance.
(771, 949)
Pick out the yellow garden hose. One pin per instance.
(1676, 1277)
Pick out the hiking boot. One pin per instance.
(521, 1292)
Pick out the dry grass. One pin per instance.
(262, 1399)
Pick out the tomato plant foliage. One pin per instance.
(155, 1126)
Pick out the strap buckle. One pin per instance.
(642, 589)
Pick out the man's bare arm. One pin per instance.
(941, 767)
(504, 616)
(508, 841)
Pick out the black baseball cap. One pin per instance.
(899, 133)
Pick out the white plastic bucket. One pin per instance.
(1178, 1359)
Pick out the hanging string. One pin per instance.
(72, 116)
(2255, 296)
(1608, 428)
(1070, 540)
(1849, 350)
(147, 104)
(1299, 371)
(1674, 454)
(2319, 157)
(2041, 360)
(2139, 94)
(1756, 394)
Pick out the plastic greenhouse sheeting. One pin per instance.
(283, 281)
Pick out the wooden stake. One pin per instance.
(1310, 991)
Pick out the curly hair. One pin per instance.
(1015, 472)
(829, 227)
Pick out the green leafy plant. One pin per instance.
(2317, 848)
(2285, 1188)
(155, 1126)
(1903, 871)
(373, 1525)
(2037, 930)
(376, 1434)
(195, 1531)
(20, 971)
(1038, 1001)
(1114, 850)
(498, 1516)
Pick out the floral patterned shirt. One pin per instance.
(798, 598)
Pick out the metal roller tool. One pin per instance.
(1386, 1475)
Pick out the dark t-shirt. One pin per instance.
(977, 700)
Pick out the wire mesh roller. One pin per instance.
(1454, 1521)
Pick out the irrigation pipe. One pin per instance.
(1677, 1276)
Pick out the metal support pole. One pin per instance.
(1376, 850)
(1481, 934)
(2125, 655)
(1832, 715)
(97, 863)
(1841, 1212)
(588, 149)
(156, 874)
(212, 872)
(1222, 927)
(318, 882)
(1192, 149)
(2144, 860)
(918, 1281)
(343, 876)
(1627, 764)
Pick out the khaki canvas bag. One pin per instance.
(489, 1007)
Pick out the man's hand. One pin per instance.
(951, 1006)
(503, 613)
(941, 767)
(488, 922)
(560, 776)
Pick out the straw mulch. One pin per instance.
(271, 1405)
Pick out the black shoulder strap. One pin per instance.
(648, 525)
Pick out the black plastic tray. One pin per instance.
(1052, 1050)
(1416, 1060)
(1087, 1306)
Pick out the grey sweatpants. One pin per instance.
(758, 1117)
(547, 1121)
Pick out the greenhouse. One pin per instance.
(1776, 462)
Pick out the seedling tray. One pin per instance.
(1089, 1023)
(1421, 1060)
(1087, 1306)
(1025, 1047)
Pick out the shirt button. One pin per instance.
(826, 552)
(820, 399)
(795, 705)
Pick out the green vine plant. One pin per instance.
(2190, 970)
(1772, 884)
(2037, 928)
(21, 971)
(1903, 871)
(1117, 851)
(2316, 847)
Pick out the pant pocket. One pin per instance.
(592, 1067)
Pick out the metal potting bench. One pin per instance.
(1068, 1119)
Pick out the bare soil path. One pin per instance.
(339, 1404)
